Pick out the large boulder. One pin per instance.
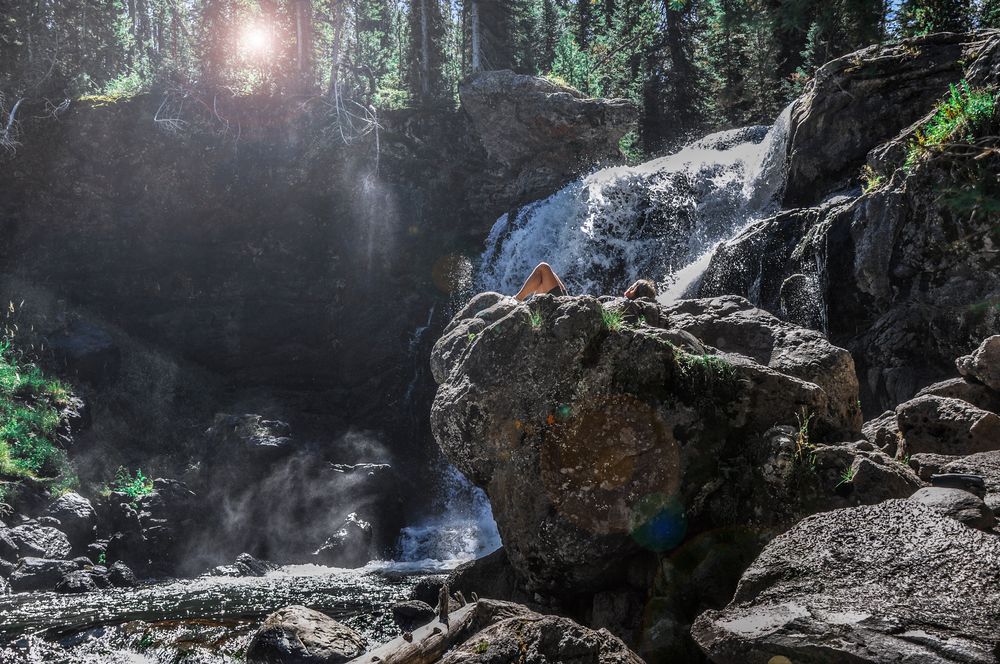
(541, 130)
(77, 518)
(983, 364)
(597, 437)
(963, 506)
(33, 540)
(947, 426)
(151, 532)
(40, 573)
(305, 636)
(531, 637)
(891, 582)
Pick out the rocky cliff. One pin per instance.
(902, 273)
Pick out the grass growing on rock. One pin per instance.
(32, 412)
(613, 320)
(134, 485)
(959, 118)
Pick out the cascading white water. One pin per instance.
(660, 220)
(464, 530)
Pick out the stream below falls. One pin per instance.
(208, 620)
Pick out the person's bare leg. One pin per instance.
(541, 280)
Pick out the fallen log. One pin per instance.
(427, 644)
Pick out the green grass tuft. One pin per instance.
(613, 320)
(957, 119)
(847, 476)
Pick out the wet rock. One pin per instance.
(300, 634)
(120, 576)
(77, 518)
(349, 546)
(39, 541)
(598, 444)
(963, 506)
(840, 586)
(80, 581)
(6, 567)
(8, 547)
(151, 531)
(247, 441)
(428, 588)
(245, 565)
(983, 364)
(86, 351)
(39, 573)
(532, 637)
(4, 586)
(412, 613)
(947, 426)
(490, 576)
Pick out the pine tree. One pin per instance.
(921, 17)
(989, 14)
(425, 72)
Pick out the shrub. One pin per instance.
(958, 119)
(536, 318)
(134, 486)
(32, 411)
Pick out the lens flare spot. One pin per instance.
(255, 40)
(658, 522)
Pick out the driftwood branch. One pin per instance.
(426, 644)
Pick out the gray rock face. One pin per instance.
(861, 100)
(960, 505)
(947, 426)
(856, 585)
(40, 573)
(973, 392)
(540, 639)
(531, 123)
(8, 547)
(39, 541)
(4, 586)
(77, 518)
(300, 634)
(984, 363)
(584, 432)
(904, 280)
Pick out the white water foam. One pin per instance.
(463, 530)
(661, 220)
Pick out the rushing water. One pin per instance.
(659, 220)
(205, 620)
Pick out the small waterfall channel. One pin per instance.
(659, 220)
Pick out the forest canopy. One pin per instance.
(690, 65)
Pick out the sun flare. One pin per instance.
(255, 40)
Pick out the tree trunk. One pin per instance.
(476, 37)
(425, 51)
(304, 44)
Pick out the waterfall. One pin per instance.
(659, 220)
(463, 529)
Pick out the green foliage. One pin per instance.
(922, 17)
(957, 119)
(705, 373)
(631, 147)
(482, 647)
(133, 485)
(613, 320)
(536, 318)
(32, 408)
(871, 179)
(847, 476)
(804, 448)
